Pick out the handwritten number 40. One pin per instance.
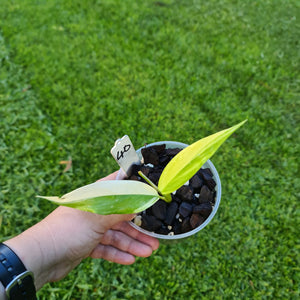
(120, 154)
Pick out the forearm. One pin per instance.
(28, 246)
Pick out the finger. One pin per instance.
(112, 254)
(135, 234)
(126, 243)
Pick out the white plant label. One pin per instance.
(124, 153)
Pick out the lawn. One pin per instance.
(77, 75)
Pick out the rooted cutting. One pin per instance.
(191, 204)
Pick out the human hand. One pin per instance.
(57, 244)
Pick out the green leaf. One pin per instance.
(189, 160)
(109, 197)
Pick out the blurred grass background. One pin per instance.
(77, 75)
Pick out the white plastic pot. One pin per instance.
(208, 164)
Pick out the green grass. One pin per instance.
(75, 76)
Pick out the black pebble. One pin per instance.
(163, 230)
(175, 198)
(171, 213)
(211, 184)
(173, 151)
(150, 223)
(177, 227)
(206, 173)
(154, 176)
(185, 193)
(196, 182)
(133, 170)
(204, 209)
(207, 176)
(185, 209)
(196, 220)
(163, 160)
(159, 148)
(145, 170)
(159, 209)
(134, 177)
(150, 156)
(186, 226)
(205, 195)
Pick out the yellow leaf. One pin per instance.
(189, 160)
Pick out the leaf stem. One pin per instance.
(148, 180)
(166, 198)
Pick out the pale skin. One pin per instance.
(57, 244)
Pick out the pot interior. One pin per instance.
(208, 164)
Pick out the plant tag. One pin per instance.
(125, 154)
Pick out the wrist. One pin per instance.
(17, 281)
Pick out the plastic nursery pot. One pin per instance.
(208, 164)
